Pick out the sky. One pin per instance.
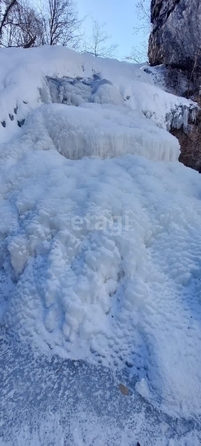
(120, 18)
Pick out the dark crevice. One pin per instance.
(21, 122)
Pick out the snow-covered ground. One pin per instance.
(24, 85)
(99, 244)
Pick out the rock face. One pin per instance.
(190, 143)
(175, 39)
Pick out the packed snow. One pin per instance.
(100, 224)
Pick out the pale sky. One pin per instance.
(120, 18)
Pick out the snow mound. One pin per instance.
(104, 131)
(25, 83)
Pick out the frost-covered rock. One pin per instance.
(77, 91)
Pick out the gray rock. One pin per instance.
(175, 39)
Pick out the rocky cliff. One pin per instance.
(176, 35)
(175, 41)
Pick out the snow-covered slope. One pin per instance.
(100, 224)
(24, 85)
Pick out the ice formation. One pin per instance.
(100, 224)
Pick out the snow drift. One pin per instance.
(100, 257)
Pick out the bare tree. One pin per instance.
(5, 12)
(24, 28)
(23, 24)
(143, 9)
(60, 23)
(98, 43)
(138, 53)
(143, 13)
(20, 25)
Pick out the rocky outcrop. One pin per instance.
(175, 39)
(190, 143)
(175, 42)
(185, 124)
